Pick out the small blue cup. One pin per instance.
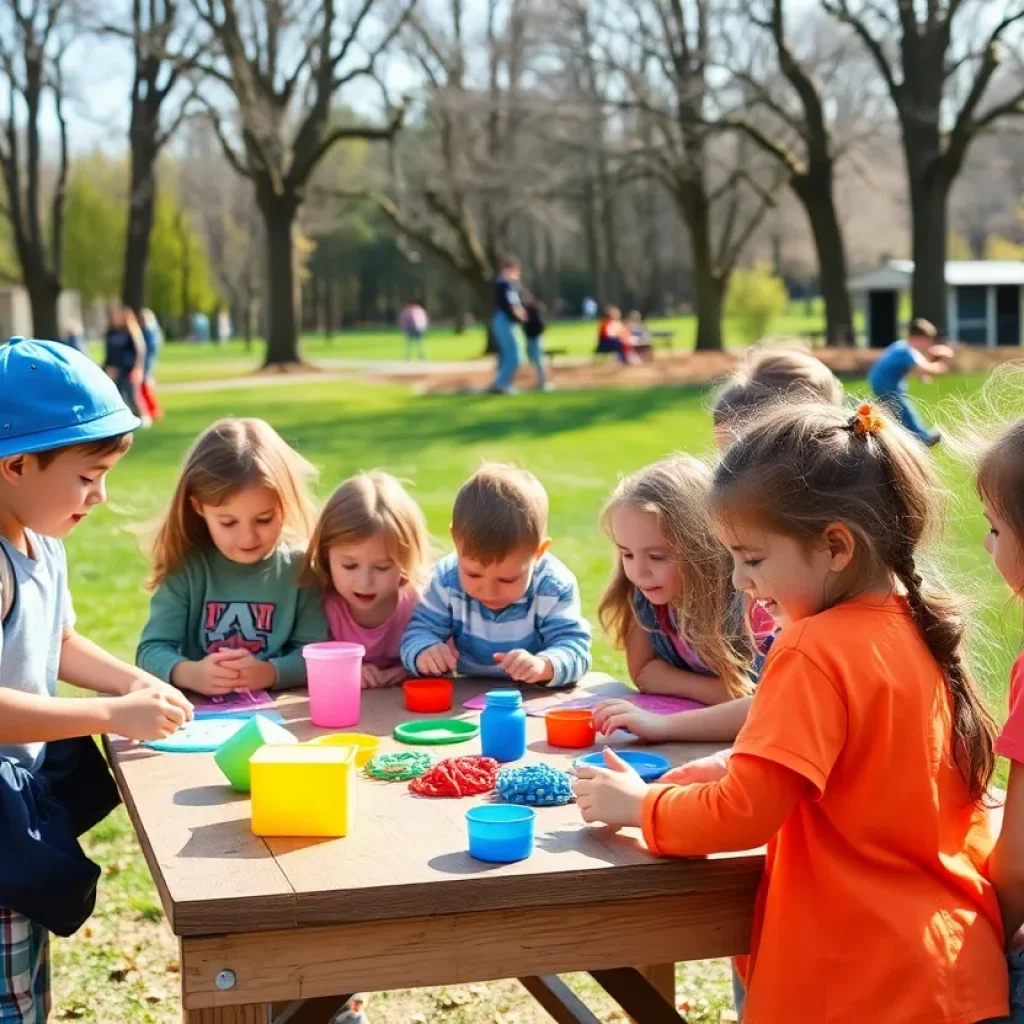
(500, 833)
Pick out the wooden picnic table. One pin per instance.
(285, 929)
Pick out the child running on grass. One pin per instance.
(501, 605)
(1001, 486)
(227, 613)
(867, 753)
(920, 355)
(63, 427)
(370, 556)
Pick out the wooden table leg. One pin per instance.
(308, 1011)
(251, 1013)
(560, 1002)
(663, 978)
(637, 996)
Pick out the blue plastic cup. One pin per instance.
(500, 833)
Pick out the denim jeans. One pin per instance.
(739, 993)
(535, 353)
(1015, 964)
(414, 343)
(902, 407)
(504, 329)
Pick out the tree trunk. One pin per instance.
(929, 205)
(815, 192)
(279, 218)
(141, 208)
(709, 283)
(43, 298)
(710, 296)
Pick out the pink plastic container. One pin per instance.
(333, 672)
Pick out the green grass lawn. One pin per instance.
(181, 361)
(123, 966)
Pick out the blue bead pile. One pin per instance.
(538, 785)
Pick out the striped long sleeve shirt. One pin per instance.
(546, 620)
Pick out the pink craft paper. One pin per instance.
(236, 703)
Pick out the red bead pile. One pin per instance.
(457, 776)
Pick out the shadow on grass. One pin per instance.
(320, 423)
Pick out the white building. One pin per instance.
(983, 296)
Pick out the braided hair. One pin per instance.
(800, 468)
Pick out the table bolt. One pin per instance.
(225, 980)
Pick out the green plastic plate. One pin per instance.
(435, 732)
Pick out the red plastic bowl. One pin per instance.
(571, 727)
(428, 694)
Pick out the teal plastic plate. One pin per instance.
(200, 736)
(435, 732)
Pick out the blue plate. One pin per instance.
(650, 767)
(200, 736)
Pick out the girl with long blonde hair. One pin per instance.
(671, 605)
(227, 613)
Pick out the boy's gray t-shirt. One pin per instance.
(31, 638)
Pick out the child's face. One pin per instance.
(1003, 546)
(247, 527)
(364, 574)
(790, 580)
(54, 500)
(498, 584)
(645, 554)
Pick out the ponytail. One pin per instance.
(805, 467)
(941, 622)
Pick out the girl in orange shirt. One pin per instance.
(867, 750)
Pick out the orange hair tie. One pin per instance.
(866, 421)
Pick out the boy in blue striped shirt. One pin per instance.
(501, 605)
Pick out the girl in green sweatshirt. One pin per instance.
(227, 613)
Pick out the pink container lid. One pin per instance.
(331, 650)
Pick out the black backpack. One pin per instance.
(44, 874)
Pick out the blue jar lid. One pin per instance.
(504, 699)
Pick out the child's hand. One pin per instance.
(144, 681)
(214, 676)
(147, 714)
(704, 769)
(253, 674)
(524, 667)
(437, 660)
(614, 795)
(375, 678)
(620, 714)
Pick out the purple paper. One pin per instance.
(245, 701)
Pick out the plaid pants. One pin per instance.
(24, 970)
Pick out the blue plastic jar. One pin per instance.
(503, 726)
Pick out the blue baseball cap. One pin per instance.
(52, 396)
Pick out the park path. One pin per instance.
(331, 369)
(353, 369)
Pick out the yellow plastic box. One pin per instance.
(305, 790)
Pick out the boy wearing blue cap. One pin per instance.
(63, 427)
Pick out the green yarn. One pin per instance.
(399, 767)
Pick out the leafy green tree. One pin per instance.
(94, 228)
(178, 280)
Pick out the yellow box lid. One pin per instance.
(303, 754)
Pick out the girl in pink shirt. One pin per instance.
(369, 555)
